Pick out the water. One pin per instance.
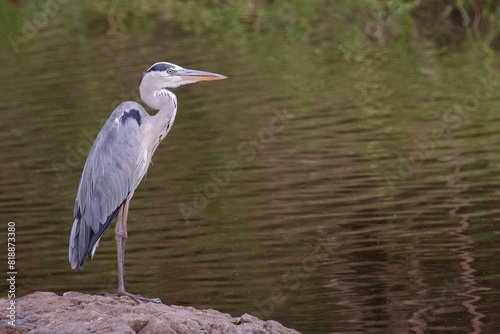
(330, 192)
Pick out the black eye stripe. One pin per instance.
(160, 67)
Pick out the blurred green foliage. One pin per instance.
(241, 22)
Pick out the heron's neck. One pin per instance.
(160, 99)
(157, 99)
(158, 124)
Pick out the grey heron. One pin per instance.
(118, 161)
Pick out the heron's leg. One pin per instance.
(121, 239)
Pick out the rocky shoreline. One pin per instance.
(46, 312)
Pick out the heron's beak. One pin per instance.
(193, 75)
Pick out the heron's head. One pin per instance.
(168, 75)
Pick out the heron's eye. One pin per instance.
(169, 71)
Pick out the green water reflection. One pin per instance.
(370, 206)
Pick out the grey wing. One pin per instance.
(111, 173)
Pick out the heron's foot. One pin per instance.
(136, 298)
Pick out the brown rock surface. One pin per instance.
(75, 313)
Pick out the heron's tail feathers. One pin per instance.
(79, 243)
(73, 244)
(83, 241)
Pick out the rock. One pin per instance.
(46, 312)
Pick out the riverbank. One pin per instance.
(46, 312)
